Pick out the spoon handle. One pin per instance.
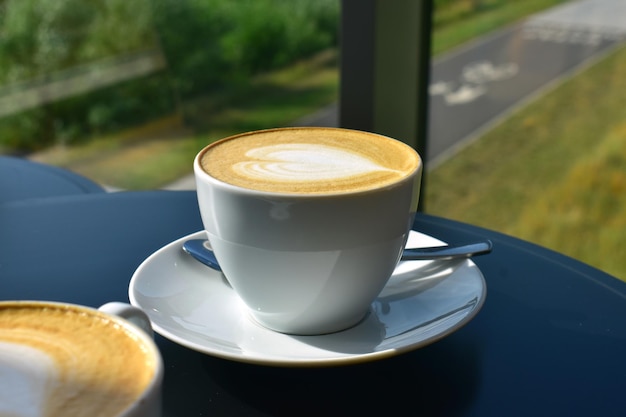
(448, 252)
(201, 251)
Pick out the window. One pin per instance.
(518, 107)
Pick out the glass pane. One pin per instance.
(528, 132)
(527, 114)
(127, 92)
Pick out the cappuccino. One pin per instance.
(61, 360)
(307, 223)
(309, 161)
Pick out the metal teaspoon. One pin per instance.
(201, 251)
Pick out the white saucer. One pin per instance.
(195, 307)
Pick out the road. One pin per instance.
(474, 87)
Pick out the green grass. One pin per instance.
(554, 173)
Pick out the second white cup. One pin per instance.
(67, 360)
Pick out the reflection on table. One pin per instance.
(21, 179)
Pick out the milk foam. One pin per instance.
(26, 375)
(299, 162)
(309, 161)
(65, 362)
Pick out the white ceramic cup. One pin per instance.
(58, 359)
(308, 263)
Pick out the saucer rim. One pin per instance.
(297, 362)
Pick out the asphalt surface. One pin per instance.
(473, 88)
(481, 83)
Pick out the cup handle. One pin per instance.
(131, 313)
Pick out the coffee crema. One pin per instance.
(309, 160)
(68, 361)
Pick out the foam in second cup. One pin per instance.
(67, 361)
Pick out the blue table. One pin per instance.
(549, 341)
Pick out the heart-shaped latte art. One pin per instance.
(304, 162)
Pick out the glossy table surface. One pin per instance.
(550, 339)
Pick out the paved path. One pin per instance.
(477, 85)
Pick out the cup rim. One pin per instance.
(201, 174)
